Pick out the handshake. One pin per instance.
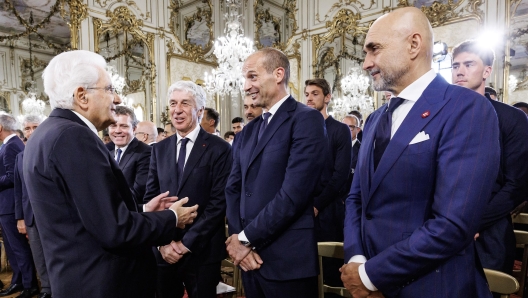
(186, 215)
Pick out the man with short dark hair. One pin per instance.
(237, 124)
(16, 246)
(522, 106)
(169, 130)
(251, 111)
(210, 120)
(132, 156)
(492, 93)
(24, 213)
(194, 164)
(161, 135)
(229, 137)
(472, 65)
(276, 170)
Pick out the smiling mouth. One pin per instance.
(375, 72)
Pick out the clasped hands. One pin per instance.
(353, 283)
(173, 252)
(186, 215)
(241, 255)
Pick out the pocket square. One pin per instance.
(420, 137)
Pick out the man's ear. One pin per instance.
(80, 97)
(487, 72)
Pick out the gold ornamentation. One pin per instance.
(263, 15)
(78, 12)
(446, 13)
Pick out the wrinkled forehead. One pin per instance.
(252, 63)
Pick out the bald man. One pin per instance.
(427, 159)
(147, 132)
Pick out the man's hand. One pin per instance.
(186, 215)
(21, 226)
(171, 253)
(316, 212)
(236, 250)
(352, 281)
(519, 209)
(161, 202)
(251, 262)
(376, 294)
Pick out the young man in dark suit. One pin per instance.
(194, 164)
(95, 241)
(132, 156)
(426, 159)
(277, 165)
(16, 244)
(472, 65)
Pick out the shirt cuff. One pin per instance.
(186, 247)
(175, 214)
(362, 272)
(144, 207)
(242, 237)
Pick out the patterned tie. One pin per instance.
(118, 155)
(383, 130)
(181, 157)
(263, 124)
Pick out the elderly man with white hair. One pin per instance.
(16, 245)
(195, 164)
(24, 213)
(95, 241)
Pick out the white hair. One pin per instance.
(68, 71)
(32, 119)
(8, 122)
(196, 92)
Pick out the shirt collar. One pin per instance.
(9, 138)
(191, 136)
(416, 88)
(122, 148)
(276, 106)
(87, 122)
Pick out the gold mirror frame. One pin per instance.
(192, 52)
(263, 14)
(122, 20)
(511, 8)
(440, 13)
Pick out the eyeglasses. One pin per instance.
(140, 133)
(109, 89)
(352, 127)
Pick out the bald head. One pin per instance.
(399, 49)
(146, 132)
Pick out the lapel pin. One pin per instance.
(426, 114)
(203, 145)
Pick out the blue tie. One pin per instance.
(383, 130)
(263, 124)
(181, 157)
(118, 155)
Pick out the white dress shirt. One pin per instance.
(411, 94)
(123, 149)
(8, 138)
(87, 122)
(272, 111)
(190, 144)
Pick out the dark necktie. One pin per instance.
(181, 157)
(264, 123)
(118, 155)
(383, 130)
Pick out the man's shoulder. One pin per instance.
(140, 146)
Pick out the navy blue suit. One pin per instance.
(416, 216)
(270, 192)
(95, 242)
(135, 166)
(16, 244)
(496, 243)
(203, 182)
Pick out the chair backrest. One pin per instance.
(330, 250)
(521, 218)
(521, 238)
(501, 283)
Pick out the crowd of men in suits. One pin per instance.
(421, 197)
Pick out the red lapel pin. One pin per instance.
(426, 114)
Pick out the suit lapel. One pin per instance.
(276, 121)
(432, 100)
(199, 147)
(128, 153)
(170, 155)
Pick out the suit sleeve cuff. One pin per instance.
(175, 214)
(362, 272)
(242, 237)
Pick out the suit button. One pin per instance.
(368, 216)
(248, 194)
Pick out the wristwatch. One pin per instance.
(245, 243)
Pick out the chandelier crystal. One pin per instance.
(355, 89)
(231, 51)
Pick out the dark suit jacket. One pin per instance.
(415, 217)
(95, 242)
(203, 182)
(23, 208)
(329, 203)
(355, 153)
(271, 187)
(496, 243)
(135, 166)
(8, 155)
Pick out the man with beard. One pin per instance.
(251, 111)
(426, 159)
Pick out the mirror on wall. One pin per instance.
(275, 23)
(518, 55)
